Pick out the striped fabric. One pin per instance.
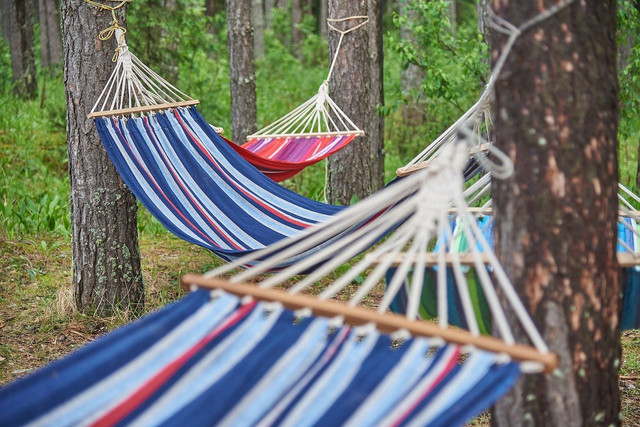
(202, 361)
(428, 308)
(283, 157)
(194, 183)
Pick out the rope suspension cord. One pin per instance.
(132, 88)
(470, 119)
(108, 32)
(320, 115)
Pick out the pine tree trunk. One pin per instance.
(413, 112)
(296, 34)
(483, 7)
(324, 14)
(50, 40)
(18, 29)
(556, 117)
(241, 69)
(106, 257)
(453, 16)
(356, 170)
(257, 13)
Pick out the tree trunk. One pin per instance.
(268, 11)
(106, 257)
(323, 15)
(356, 170)
(453, 16)
(241, 69)
(413, 112)
(483, 7)
(50, 40)
(210, 12)
(296, 34)
(556, 117)
(257, 13)
(18, 28)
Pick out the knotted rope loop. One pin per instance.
(342, 33)
(108, 32)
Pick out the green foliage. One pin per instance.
(454, 65)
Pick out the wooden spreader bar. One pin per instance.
(625, 259)
(142, 109)
(386, 323)
(414, 168)
(305, 134)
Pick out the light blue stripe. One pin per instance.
(281, 377)
(247, 183)
(146, 186)
(326, 389)
(472, 371)
(212, 367)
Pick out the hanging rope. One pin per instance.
(108, 32)
(342, 34)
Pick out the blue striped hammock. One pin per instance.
(199, 188)
(203, 361)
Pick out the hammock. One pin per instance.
(274, 357)
(310, 133)
(628, 258)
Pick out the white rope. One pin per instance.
(133, 84)
(319, 115)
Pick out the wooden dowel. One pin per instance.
(386, 323)
(625, 259)
(489, 211)
(143, 109)
(414, 168)
(303, 134)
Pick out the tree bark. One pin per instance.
(411, 77)
(106, 257)
(241, 69)
(358, 169)
(453, 16)
(50, 40)
(296, 34)
(323, 15)
(556, 117)
(483, 7)
(18, 28)
(257, 13)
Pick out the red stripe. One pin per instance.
(186, 191)
(234, 183)
(453, 360)
(139, 396)
(194, 228)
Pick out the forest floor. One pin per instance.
(38, 323)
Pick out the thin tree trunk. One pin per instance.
(50, 40)
(18, 28)
(210, 12)
(241, 69)
(556, 117)
(413, 112)
(323, 15)
(257, 13)
(483, 7)
(296, 34)
(268, 13)
(453, 16)
(357, 170)
(106, 257)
